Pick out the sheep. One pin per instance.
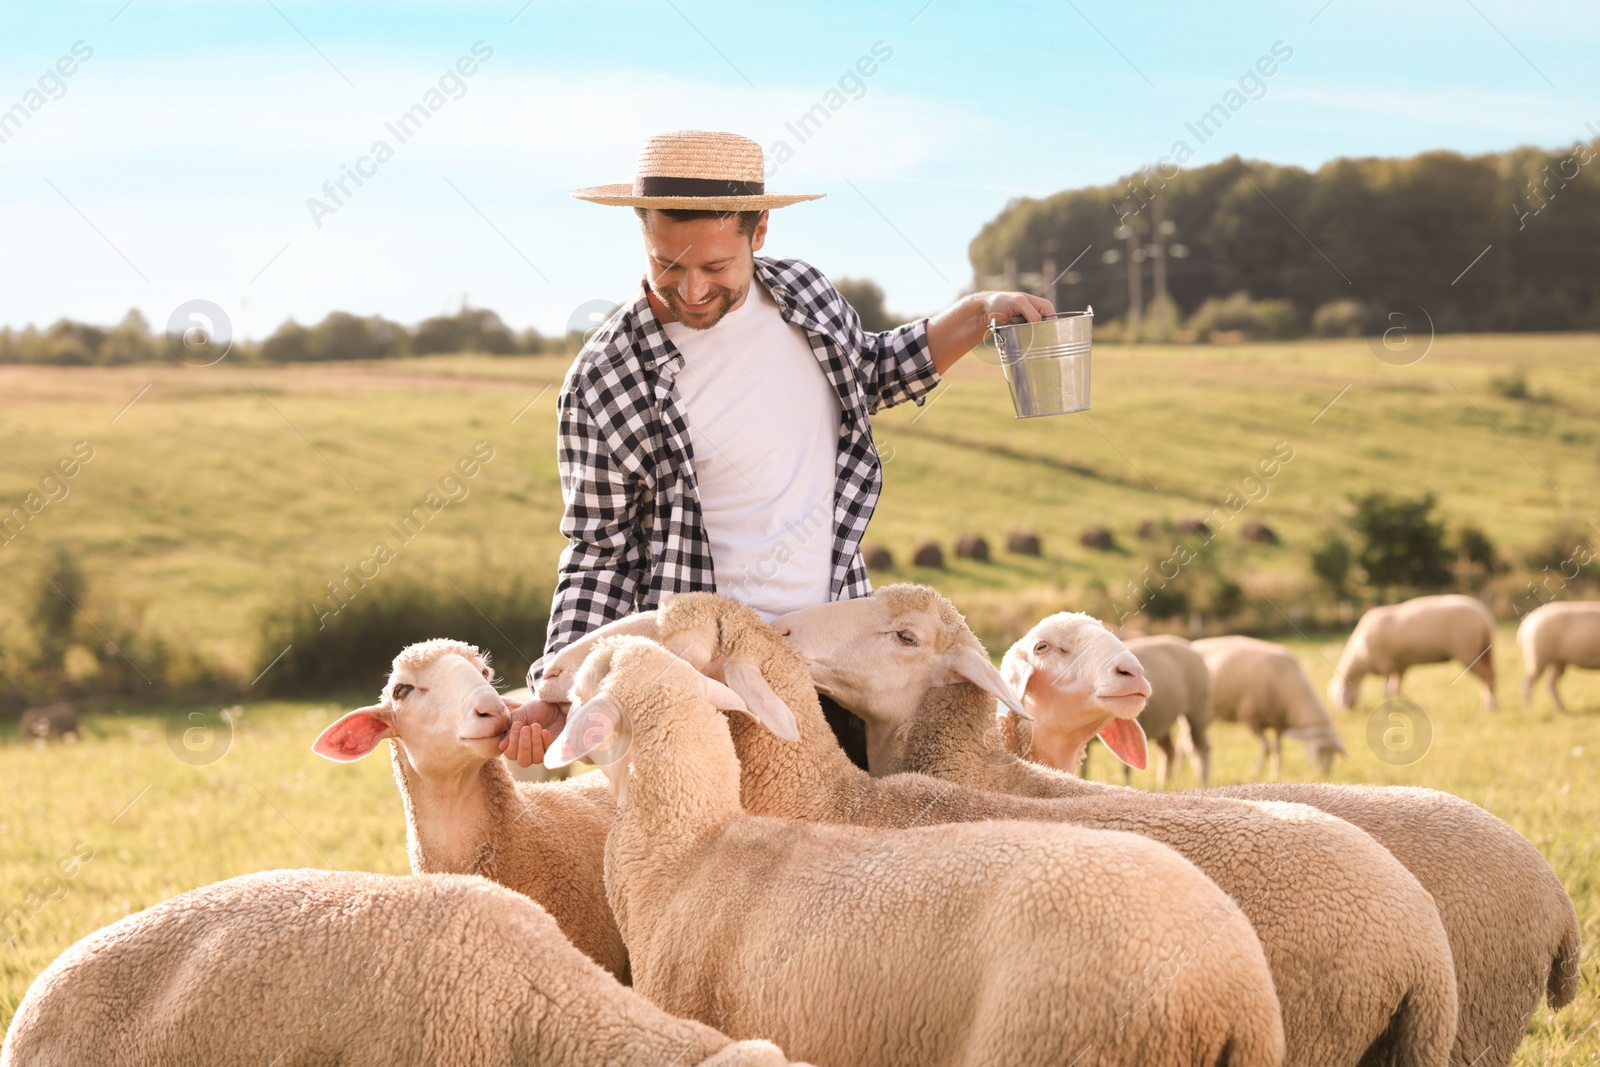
(1180, 689)
(990, 943)
(1426, 629)
(1404, 995)
(465, 814)
(1513, 931)
(1325, 899)
(1263, 686)
(1556, 636)
(305, 967)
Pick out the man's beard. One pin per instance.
(722, 301)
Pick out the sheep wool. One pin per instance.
(1324, 898)
(991, 943)
(302, 967)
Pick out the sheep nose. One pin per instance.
(1130, 668)
(784, 631)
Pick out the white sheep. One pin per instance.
(1264, 686)
(1557, 636)
(304, 967)
(1514, 934)
(992, 943)
(1391, 638)
(1358, 954)
(1180, 696)
(464, 814)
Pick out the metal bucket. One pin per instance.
(1046, 363)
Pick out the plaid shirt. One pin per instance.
(633, 522)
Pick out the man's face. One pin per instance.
(700, 269)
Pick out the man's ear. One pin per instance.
(759, 236)
(354, 735)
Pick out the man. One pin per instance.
(713, 433)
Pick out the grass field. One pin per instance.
(219, 491)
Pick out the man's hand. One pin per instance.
(959, 328)
(532, 731)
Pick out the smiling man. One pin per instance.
(714, 433)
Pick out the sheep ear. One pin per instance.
(1017, 672)
(598, 728)
(1125, 738)
(761, 703)
(972, 665)
(354, 735)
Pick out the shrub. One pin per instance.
(1339, 318)
(351, 649)
(1255, 320)
(1330, 562)
(468, 330)
(1401, 543)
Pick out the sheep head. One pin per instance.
(554, 686)
(879, 655)
(1079, 681)
(628, 671)
(1322, 744)
(439, 701)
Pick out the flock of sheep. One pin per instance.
(732, 889)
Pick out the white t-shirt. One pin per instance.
(764, 427)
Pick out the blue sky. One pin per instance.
(176, 162)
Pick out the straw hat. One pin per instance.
(696, 170)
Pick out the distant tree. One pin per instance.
(468, 330)
(345, 336)
(290, 343)
(130, 342)
(867, 298)
(1473, 546)
(1401, 542)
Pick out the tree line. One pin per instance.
(1505, 241)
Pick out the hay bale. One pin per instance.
(1098, 538)
(1024, 543)
(972, 546)
(1195, 527)
(877, 557)
(1146, 530)
(927, 554)
(1259, 533)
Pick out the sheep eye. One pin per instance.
(1041, 647)
(401, 690)
(906, 637)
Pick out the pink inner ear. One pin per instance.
(352, 737)
(1125, 738)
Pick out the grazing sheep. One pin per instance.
(1514, 934)
(1359, 956)
(1180, 688)
(294, 968)
(1401, 995)
(464, 814)
(1263, 686)
(52, 720)
(989, 943)
(1557, 636)
(1427, 629)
